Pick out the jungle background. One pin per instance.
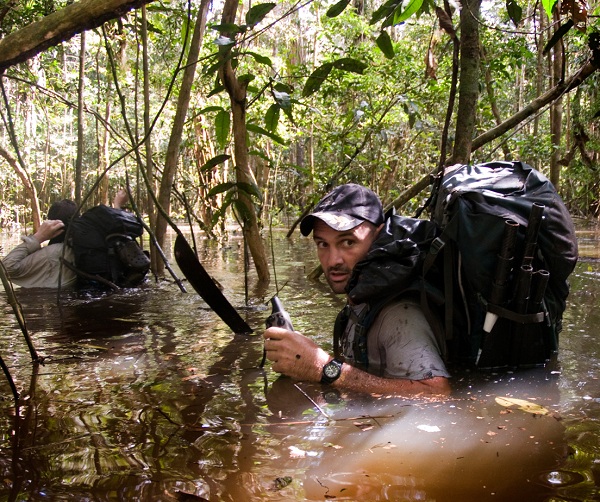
(252, 111)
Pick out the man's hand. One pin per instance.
(295, 355)
(48, 230)
(121, 199)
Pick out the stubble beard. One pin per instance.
(337, 286)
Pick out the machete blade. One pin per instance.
(197, 276)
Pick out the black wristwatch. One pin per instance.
(331, 371)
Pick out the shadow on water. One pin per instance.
(146, 395)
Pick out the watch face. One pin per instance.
(331, 370)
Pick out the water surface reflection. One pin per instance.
(146, 395)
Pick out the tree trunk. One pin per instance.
(59, 26)
(491, 94)
(468, 91)
(183, 101)
(27, 184)
(104, 149)
(155, 258)
(243, 174)
(556, 112)
(80, 121)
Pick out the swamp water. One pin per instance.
(146, 395)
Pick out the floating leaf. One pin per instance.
(279, 483)
(522, 404)
(429, 428)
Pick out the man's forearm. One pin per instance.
(357, 380)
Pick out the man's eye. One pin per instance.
(348, 243)
(321, 245)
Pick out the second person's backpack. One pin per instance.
(105, 247)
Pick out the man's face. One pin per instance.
(339, 251)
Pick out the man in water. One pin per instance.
(32, 265)
(402, 354)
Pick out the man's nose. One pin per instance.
(335, 257)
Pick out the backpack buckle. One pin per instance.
(436, 245)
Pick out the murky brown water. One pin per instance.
(146, 395)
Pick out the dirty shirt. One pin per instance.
(400, 343)
(31, 265)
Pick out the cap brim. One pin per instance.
(337, 221)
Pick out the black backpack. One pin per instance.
(105, 247)
(508, 246)
(499, 247)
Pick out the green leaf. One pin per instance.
(230, 28)
(385, 11)
(272, 117)
(257, 13)
(260, 154)
(220, 188)
(250, 189)
(384, 42)
(336, 9)
(281, 87)
(316, 79)
(259, 130)
(222, 125)
(402, 15)
(244, 79)
(261, 59)
(515, 12)
(350, 64)
(216, 63)
(242, 212)
(210, 109)
(215, 161)
(548, 6)
(216, 90)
